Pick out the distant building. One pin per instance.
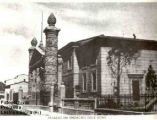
(2, 89)
(16, 89)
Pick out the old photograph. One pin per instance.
(78, 58)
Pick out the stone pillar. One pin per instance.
(62, 90)
(51, 103)
(62, 94)
(51, 50)
(20, 94)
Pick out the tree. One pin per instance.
(151, 79)
(119, 56)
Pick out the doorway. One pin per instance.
(136, 90)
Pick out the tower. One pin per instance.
(51, 50)
(34, 43)
(31, 49)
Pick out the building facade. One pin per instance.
(2, 89)
(85, 68)
(16, 89)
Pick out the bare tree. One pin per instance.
(121, 55)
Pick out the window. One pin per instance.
(84, 81)
(93, 80)
(70, 63)
(33, 95)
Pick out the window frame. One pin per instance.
(69, 63)
(92, 83)
(83, 81)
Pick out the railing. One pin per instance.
(143, 103)
(127, 102)
(110, 101)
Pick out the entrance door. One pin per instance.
(136, 91)
(15, 98)
(45, 97)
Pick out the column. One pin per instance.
(51, 50)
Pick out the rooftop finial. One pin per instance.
(34, 42)
(51, 20)
(134, 36)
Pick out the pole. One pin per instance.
(41, 26)
(36, 91)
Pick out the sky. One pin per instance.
(20, 22)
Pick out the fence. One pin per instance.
(143, 103)
(75, 106)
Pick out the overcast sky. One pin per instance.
(19, 23)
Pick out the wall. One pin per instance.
(106, 80)
(88, 70)
(71, 75)
(139, 66)
(34, 85)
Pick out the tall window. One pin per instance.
(70, 63)
(84, 81)
(94, 80)
(33, 95)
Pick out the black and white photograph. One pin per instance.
(78, 59)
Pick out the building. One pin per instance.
(2, 89)
(85, 67)
(82, 67)
(16, 89)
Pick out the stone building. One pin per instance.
(85, 67)
(16, 89)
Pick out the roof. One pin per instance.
(37, 55)
(88, 49)
(17, 79)
(107, 39)
(40, 50)
(79, 43)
